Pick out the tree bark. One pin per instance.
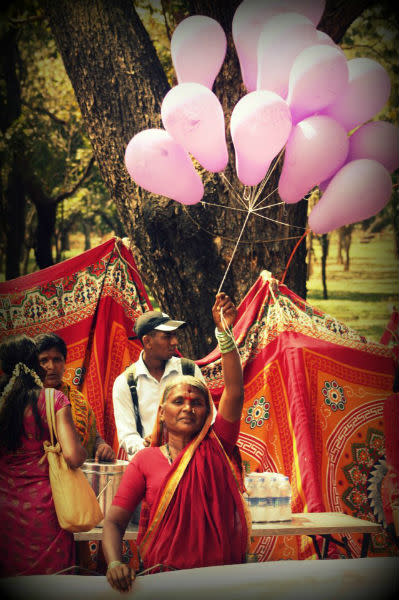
(182, 252)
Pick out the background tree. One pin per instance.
(182, 252)
(120, 76)
(46, 157)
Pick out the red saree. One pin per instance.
(199, 518)
(31, 540)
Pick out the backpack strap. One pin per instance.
(132, 383)
(187, 366)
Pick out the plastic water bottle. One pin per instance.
(262, 492)
(274, 512)
(253, 500)
(285, 499)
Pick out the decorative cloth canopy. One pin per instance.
(315, 390)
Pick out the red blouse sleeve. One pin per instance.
(60, 400)
(227, 432)
(132, 487)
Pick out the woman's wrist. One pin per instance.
(114, 563)
(226, 341)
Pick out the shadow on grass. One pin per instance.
(350, 296)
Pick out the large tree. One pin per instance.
(182, 252)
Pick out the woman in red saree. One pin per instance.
(194, 514)
(31, 540)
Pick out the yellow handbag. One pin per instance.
(75, 502)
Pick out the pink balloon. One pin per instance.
(377, 140)
(260, 126)
(193, 115)
(367, 92)
(323, 38)
(317, 78)
(156, 162)
(312, 9)
(358, 191)
(316, 148)
(198, 47)
(282, 38)
(248, 22)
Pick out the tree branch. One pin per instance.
(44, 111)
(84, 176)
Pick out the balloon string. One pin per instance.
(224, 206)
(235, 194)
(234, 251)
(275, 221)
(257, 208)
(267, 177)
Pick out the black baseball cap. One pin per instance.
(154, 319)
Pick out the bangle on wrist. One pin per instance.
(225, 341)
(114, 563)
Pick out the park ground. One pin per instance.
(362, 297)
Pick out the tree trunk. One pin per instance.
(15, 220)
(182, 252)
(46, 214)
(14, 193)
(324, 255)
(86, 232)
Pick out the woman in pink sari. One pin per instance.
(194, 514)
(31, 540)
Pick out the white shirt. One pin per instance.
(149, 392)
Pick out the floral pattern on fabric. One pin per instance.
(258, 413)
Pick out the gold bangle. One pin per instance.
(114, 563)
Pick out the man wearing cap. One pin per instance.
(157, 363)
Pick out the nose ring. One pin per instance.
(193, 411)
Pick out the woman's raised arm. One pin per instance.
(224, 315)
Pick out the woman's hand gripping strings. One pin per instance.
(224, 315)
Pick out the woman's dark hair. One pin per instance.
(24, 392)
(46, 341)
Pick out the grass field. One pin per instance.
(362, 297)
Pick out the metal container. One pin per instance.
(104, 478)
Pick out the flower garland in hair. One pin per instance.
(18, 370)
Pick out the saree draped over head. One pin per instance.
(199, 518)
(31, 540)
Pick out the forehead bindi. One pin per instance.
(187, 392)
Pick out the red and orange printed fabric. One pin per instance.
(314, 410)
(315, 390)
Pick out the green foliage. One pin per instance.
(375, 35)
(160, 18)
(49, 133)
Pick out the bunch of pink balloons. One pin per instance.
(303, 96)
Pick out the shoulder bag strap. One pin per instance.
(49, 395)
(132, 383)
